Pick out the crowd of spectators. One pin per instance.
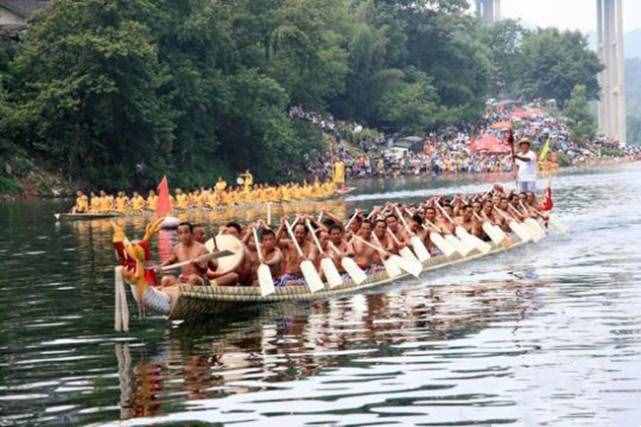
(481, 148)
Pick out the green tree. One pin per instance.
(503, 40)
(554, 62)
(580, 119)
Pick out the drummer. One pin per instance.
(187, 249)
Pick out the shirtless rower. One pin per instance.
(200, 234)
(468, 222)
(365, 256)
(292, 259)
(380, 230)
(272, 255)
(187, 249)
(395, 227)
(337, 246)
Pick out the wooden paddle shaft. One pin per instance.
(314, 238)
(294, 241)
(198, 259)
(258, 251)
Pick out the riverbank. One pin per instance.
(41, 184)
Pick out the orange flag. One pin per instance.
(163, 207)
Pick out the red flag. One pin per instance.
(163, 206)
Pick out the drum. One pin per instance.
(227, 242)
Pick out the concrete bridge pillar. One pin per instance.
(489, 10)
(612, 111)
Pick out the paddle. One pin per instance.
(312, 278)
(534, 232)
(391, 265)
(350, 220)
(332, 275)
(405, 252)
(198, 260)
(523, 233)
(532, 223)
(465, 246)
(265, 279)
(210, 245)
(435, 236)
(495, 233)
(269, 214)
(355, 272)
(421, 251)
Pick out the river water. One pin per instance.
(549, 334)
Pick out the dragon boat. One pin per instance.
(190, 302)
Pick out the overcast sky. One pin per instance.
(567, 14)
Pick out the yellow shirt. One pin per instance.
(138, 203)
(220, 186)
(82, 204)
(107, 203)
(96, 204)
(121, 203)
(151, 202)
(181, 201)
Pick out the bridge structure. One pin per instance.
(612, 111)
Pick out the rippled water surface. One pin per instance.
(549, 334)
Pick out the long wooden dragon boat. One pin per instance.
(198, 301)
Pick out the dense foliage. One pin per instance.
(580, 119)
(119, 93)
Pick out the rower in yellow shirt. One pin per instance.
(137, 202)
(181, 199)
(82, 203)
(221, 185)
(121, 202)
(248, 179)
(152, 200)
(106, 202)
(94, 202)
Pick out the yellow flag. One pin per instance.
(545, 150)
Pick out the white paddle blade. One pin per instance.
(313, 280)
(210, 245)
(332, 275)
(460, 247)
(446, 248)
(537, 226)
(533, 226)
(421, 251)
(410, 258)
(265, 280)
(522, 232)
(408, 266)
(496, 234)
(355, 272)
(392, 268)
(408, 255)
(482, 246)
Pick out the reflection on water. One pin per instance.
(546, 335)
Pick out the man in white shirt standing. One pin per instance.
(526, 161)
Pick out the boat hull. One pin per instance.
(85, 216)
(198, 301)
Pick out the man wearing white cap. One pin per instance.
(526, 161)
